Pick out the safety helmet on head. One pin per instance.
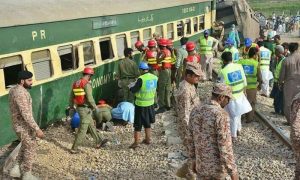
(151, 43)
(206, 31)
(143, 65)
(88, 70)
(169, 42)
(229, 41)
(248, 42)
(138, 44)
(163, 42)
(190, 46)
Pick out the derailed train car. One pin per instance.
(56, 39)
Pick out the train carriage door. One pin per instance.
(11, 66)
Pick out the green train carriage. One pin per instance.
(56, 39)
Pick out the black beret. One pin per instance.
(24, 75)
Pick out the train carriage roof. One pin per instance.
(22, 12)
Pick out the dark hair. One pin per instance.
(189, 72)
(293, 47)
(252, 52)
(184, 40)
(285, 45)
(226, 56)
(127, 51)
(260, 43)
(277, 37)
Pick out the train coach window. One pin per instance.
(41, 62)
(195, 22)
(67, 58)
(121, 44)
(11, 66)
(159, 30)
(106, 49)
(88, 53)
(201, 22)
(188, 26)
(180, 28)
(135, 36)
(147, 35)
(170, 31)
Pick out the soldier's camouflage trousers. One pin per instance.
(27, 152)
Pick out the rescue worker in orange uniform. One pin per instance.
(192, 55)
(173, 59)
(139, 45)
(81, 97)
(150, 58)
(164, 80)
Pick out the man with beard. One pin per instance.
(26, 128)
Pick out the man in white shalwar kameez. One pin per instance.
(233, 75)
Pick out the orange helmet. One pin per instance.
(163, 42)
(138, 44)
(190, 46)
(151, 43)
(88, 70)
(169, 42)
(102, 102)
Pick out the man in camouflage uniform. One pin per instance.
(186, 99)
(295, 132)
(209, 139)
(20, 104)
(85, 108)
(127, 73)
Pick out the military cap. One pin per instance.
(24, 75)
(195, 67)
(222, 89)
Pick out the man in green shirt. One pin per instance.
(81, 96)
(127, 73)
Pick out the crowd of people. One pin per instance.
(166, 74)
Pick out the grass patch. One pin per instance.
(267, 7)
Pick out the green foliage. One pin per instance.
(267, 7)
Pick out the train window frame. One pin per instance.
(39, 72)
(121, 44)
(11, 65)
(159, 29)
(109, 47)
(145, 40)
(170, 31)
(196, 24)
(63, 51)
(188, 25)
(201, 22)
(88, 60)
(180, 30)
(134, 37)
